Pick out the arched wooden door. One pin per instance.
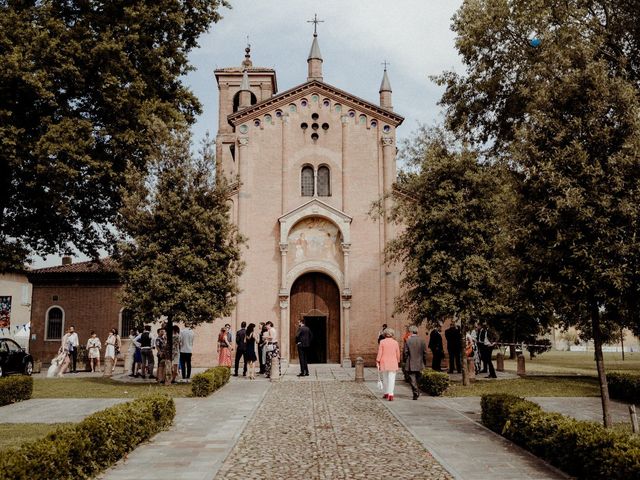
(316, 298)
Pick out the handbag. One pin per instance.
(380, 386)
(270, 347)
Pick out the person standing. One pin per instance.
(186, 351)
(381, 332)
(176, 346)
(129, 359)
(74, 343)
(227, 328)
(437, 349)
(144, 342)
(261, 344)
(415, 358)
(250, 351)
(303, 341)
(112, 349)
(486, 349)
(93, 351)
(64, 353)
(224, 349)
(241, 348)
(387, 362)
(454, 347)
(273, 351)
(161, 346)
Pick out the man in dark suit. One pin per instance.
(437, 349)
(241, 349)
(485, 344)
(454, 346)
(303, 340)
(415, 358)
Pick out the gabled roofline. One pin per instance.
(344, 97)
(322, 204)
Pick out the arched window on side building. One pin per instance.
(54, 323)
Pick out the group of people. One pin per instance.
(251, 345)
(479, 346)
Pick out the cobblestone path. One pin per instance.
(327, 430)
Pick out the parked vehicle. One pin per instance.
(14, 358)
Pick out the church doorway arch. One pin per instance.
(315, 297)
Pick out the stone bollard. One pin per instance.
(471, 369)
(500, 362)
(359, 370)
(521, 369)
(275, 369)
(634, 419)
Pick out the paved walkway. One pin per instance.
(204, 432)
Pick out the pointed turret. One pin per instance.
(315, 60)
(245, 91)
(385, 90)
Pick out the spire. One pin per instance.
(314, 61)
(245, 92)
(245, 81)
(385, 89)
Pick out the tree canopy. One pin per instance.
(79, 84)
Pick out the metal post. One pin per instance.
(359, 370)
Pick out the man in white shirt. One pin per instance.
(74, 342)
(186, 349)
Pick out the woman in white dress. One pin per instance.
(111, 352)
(93, 350)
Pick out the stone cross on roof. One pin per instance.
(315, 22)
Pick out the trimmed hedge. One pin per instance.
(582, 449)
(15, 389)
(83, 450)
(433, 383)
(207, 382)
(624, 386)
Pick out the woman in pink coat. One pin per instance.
(387, 362)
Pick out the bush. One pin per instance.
(83, 450)
(624, 386)
(15, 389)
(207, 382)
(582, 449)
(433, 383)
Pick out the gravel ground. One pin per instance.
(327, 430)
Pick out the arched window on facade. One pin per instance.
(127, 322)
(306, 181)
(324, 181)
(55, 321)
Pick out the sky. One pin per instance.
(355, 37)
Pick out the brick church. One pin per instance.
(309, 162)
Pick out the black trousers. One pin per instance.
(241, 354)
(485, 354)
(454, 361)
(436, 361)
(413, 381)
(302, 355)
(74, 358)
(185, 364)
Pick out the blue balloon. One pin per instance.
(535, 42)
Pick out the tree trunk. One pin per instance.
(602, 376)
(169, 361)
(622, 341)
(512, 347)
(463, 355)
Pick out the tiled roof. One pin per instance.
(104, 265)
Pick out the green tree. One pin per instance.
(552, 87)
(181, 256)
(447, 204)
(79, 82)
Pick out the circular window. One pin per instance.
(304, 126)
(256, 122)
(386, 128)
(278, 113)
(374, 123)
(315, 116)
(326, 103)
(314, 98)
(352, 114)
(303, 102)
(314, 136)
(338, 108)
(315, 126)
(325, 126)
(292, 107)
(244, 129)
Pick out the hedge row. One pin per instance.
(624, 386)
(207, 382)
(15, 389)
(83, 450)
(582, 449)
(432, 382)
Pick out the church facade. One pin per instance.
(307, 164)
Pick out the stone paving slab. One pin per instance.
(204, 432)
(55, 410)
(326, 430)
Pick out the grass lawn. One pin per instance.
(547, 386)
(575, 363)
(96, 387)
(14, 434)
